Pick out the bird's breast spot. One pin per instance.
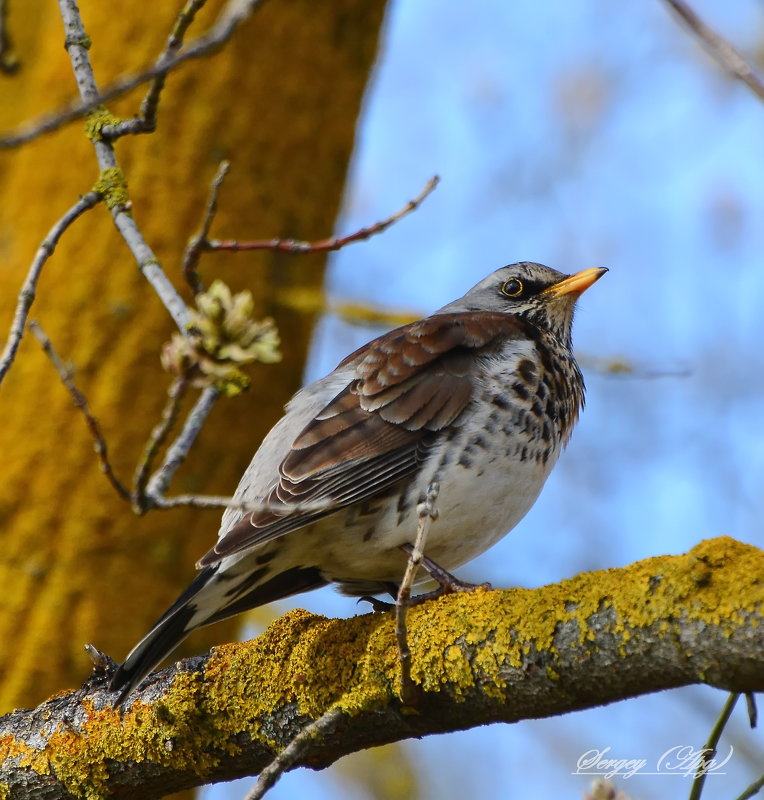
(369, 534)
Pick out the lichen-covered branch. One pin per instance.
(498, 656)
(112, 185)
(487, 656)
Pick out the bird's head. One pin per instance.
(538, 294)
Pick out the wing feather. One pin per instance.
(405, 387)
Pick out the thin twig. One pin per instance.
(157, 438)
(325, 245)
(617, 367)
(198, 242)
(9, 61)
(232, 504)
(102, 663)
(307, 737)
(178, 450)
(146, 121)
(229, 19)
(427, 513)
(65, 374)
(150, 494)
(753, 714)
(709, 751)
(752, 790)
(27, 293)
(727, 56)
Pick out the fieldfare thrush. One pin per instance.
(480, 397)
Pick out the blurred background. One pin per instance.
(575, 134)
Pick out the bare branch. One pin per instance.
(229, 19)
(65, 374)
(157, 438)
(295, 750)
(77, 47)
(146, 120)
(427, 513)
(198, 242)
(727, 56)
(28, 290)
(150, 493)
(178, 450)
(750, 705)
(752, 790)
(219, 501)
(325, 245)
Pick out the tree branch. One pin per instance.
(65, 373)
(324, 245)
(427, 513)
(708, 752)
(198, 241)
(149, 489)
(146, 120)
(284, 761)
(112, 182)
(730, 59)
(29, 289)
(479, 658)
(229, 19)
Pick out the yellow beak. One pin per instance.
(576, 284)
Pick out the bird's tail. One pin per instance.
(209, 598)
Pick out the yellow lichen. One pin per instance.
(112, 186)
(460, 644)
(96, 120)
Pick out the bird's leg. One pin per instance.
(380, 606)
(448, 583)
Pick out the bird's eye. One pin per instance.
(512, 288)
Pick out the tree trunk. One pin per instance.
(280, 101)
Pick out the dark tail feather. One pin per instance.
(196, 608)
(165, 635)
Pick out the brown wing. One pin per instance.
(408, 384)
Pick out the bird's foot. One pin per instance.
(447, 583)
(380, 606)
(377, 606)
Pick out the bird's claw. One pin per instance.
(377, 606)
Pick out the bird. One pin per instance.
(479, 398)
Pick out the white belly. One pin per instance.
(476, 506)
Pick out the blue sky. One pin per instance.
(579, 134)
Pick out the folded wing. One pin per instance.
(407, 385)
